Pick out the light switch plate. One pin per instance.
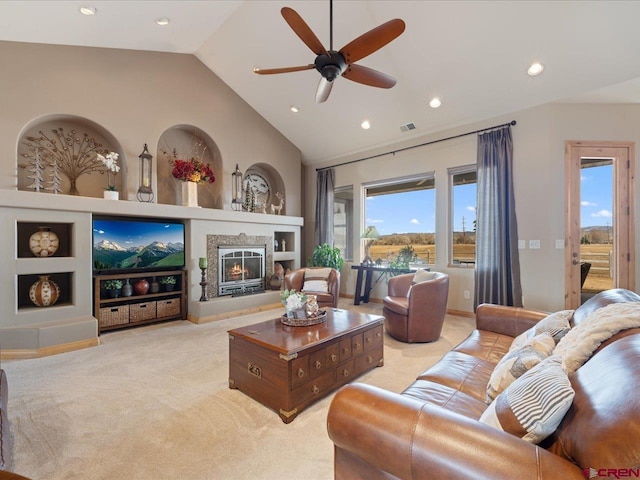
(534, 244)
(521, 245)
(559, 243)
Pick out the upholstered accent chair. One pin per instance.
(415, 306)
(324, 283)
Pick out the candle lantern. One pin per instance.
(145, 193)
(236, 187)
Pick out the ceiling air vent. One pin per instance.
(407, 126)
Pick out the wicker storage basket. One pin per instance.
(110, 316)
(168, 308)
(142, 311)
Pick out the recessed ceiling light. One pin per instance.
(535, 69)
(88, 10)
(435, 102)
(366, 125)
(294, 109)
(162, 21)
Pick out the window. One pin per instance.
(404, 213)
(463, 215)
(343, 221)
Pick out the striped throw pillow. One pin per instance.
(316, 280)
(533, 406)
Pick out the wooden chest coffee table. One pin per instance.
(289, 368)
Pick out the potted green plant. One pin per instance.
(168, 282)
(326, 256)
(113, 287)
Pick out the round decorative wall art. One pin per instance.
(44, 292)
(44, 242)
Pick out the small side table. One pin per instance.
(368, 270)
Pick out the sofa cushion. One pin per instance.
(533, 406)
(557, 324)
(447, 397)
(462, 372)
(489, 346)
(517, 362)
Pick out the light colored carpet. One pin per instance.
(153, 403)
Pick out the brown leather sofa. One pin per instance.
(431, 430)
(415, 312)
(295, 280)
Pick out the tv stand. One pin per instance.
(137, 309)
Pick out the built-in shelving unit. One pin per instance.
(285, 253)
(139, 309)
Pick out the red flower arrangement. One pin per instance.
(192, 171)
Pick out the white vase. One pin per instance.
(111, 194)
(189, 194)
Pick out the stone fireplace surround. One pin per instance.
(214, 241)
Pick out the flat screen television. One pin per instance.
(132, 244)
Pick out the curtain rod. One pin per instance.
(512, 122)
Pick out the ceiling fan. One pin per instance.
(331, 63)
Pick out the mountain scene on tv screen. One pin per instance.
(156, 254)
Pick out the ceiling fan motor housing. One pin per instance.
(331, 66)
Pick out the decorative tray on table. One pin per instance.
(304, 322)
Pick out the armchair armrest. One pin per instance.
(510, 321)
(409, 439)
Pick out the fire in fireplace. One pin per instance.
(241, 269)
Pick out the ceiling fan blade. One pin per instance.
(373, 40)
(323, 90)
(303, 31)
(270, 71)
(368, 76)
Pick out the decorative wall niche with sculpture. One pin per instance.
(184, 142)
(263, 190)
(58, 155)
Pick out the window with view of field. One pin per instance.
(404, 213)
(463, 215)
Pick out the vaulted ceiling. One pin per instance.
(473, 55)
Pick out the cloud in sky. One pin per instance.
(374, 220)
(471, 208)
(415, 221)
(586, 203)
(602, 213)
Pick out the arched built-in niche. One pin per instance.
(74, 142)
(185, 142)
(267, 184)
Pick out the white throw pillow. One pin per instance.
(533, 406)
(316, 280)
(557, 324)
(423, 276)
(517, 362)
(315, 286)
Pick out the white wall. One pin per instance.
(539, 141)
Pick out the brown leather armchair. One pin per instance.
(415, 312)
(295, 280)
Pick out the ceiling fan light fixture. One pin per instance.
(88, 10)
(535, 69)
(435, 102)
(365, 125)
(162, 21)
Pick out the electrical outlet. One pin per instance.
(467, 295)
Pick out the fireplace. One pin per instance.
(241, 269)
